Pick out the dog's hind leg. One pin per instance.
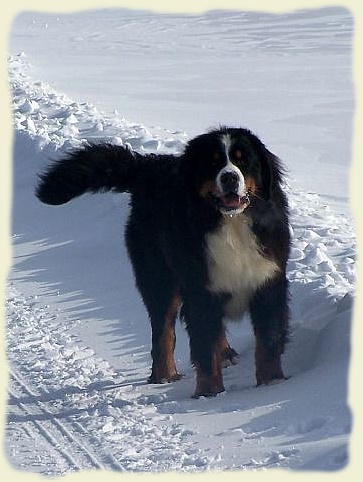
(163, 343)
(228, 355)
(162, 303)
(159, 292)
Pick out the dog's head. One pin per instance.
(229, 168)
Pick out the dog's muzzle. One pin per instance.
(230, 182)
(231, 197)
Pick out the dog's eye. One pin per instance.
(238, 154)
(215, 159)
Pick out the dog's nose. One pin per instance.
(229, 181)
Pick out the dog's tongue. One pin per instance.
(231, 200)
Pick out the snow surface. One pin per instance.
(78, 338)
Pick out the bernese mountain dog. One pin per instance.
(208, 238)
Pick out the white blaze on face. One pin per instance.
(230, 168)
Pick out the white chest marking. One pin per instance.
(235, 264)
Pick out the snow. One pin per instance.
(78, 338)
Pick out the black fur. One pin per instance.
(172, 214)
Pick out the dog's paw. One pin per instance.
(159, 380)
(272, 381)
(229, 357)
(208, 386)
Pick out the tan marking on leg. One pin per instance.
(164, 368)
(268, 368)
(228, 356)
(223, 344)
(209, 384)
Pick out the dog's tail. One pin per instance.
(94, 168)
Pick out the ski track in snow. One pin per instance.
(72, 404)
(88, 400)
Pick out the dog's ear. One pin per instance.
(270, 173)
(192, 166)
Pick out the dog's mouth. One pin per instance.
(230, 203)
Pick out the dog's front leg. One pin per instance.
(203, 317)
(269, 315)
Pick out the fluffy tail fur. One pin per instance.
(95, 168)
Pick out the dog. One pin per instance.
(208, 238)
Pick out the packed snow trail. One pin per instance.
(71, 404)
(76, 405)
